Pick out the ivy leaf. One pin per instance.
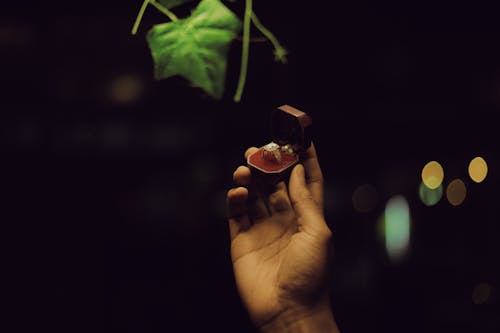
(196, 47)
(172, 3)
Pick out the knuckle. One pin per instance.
(304, 197)
(316, 180)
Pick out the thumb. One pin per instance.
(308, 213)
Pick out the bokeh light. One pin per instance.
(456, 192)
(481, 293)
(364, 198)
(432, 174)
(428, 196)
(397, 228)
(126, 89)
(15, 34)
(478, 169)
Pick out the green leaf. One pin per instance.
(196, 47)
(172, 3)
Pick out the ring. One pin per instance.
(271, 152)
(287, 149)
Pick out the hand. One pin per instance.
(280, 249)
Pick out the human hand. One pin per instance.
(280, 249)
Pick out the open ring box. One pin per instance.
(274, 162)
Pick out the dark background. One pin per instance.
(114, 183)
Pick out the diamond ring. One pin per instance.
(271, 152)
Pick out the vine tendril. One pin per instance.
(158, 6)
(279, 51)
(164, 10)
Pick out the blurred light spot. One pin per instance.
(126, 89)
(455, 192)
(397, 228)
(364, 198)
(478, 169)
(16, 35)
(432, 175)
(430, 197)
(481, 293)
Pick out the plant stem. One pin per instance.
(269, 35)
(245, 51)
(139, 17)
(164, 10)
(158, 6)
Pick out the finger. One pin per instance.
(250, 151)
(242, 176)
(279, 201)
(313, 174)
(237, 210)
(308, 212)
(256, 206)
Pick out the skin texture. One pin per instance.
(280, 248)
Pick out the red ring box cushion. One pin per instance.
(288, 127)
(258, 161)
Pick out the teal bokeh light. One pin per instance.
(430, 197)
(397, 228)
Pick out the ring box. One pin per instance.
(290, 132)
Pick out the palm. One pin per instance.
(277, 266)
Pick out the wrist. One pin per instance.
(311, 320)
